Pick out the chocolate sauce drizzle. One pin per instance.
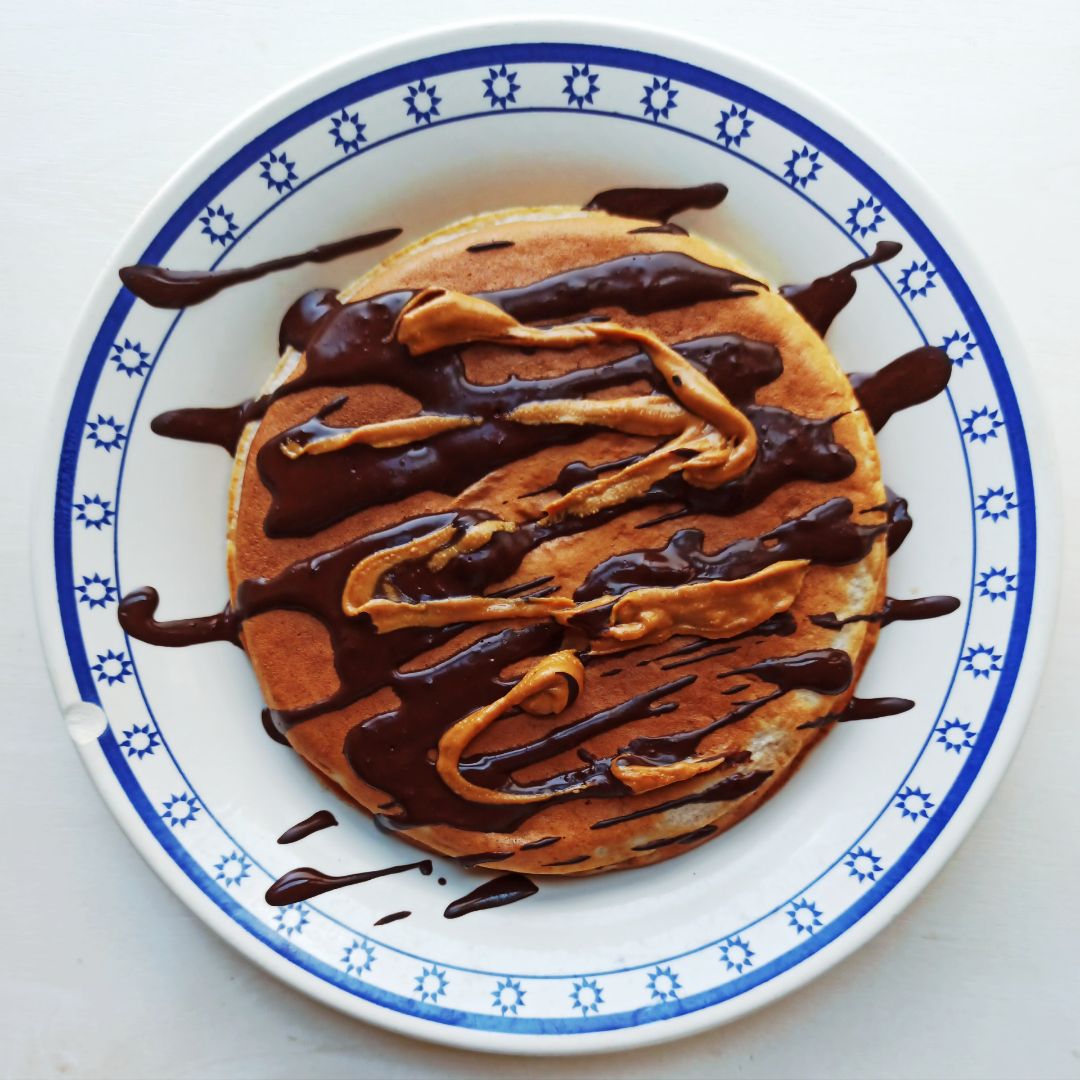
(924, 607)
(321, 819)
(491, 245)
(574, 860)
(543, 842)
(909, 380)
(138, 608)
(352, 346)
(657, 204)
(898, 519)
(175, 289)
(683, 838)
(863, 709)
(507, 889)
(668, 228)
(392, 917)
(271, 730)
(825, 297)
(732, 787)
(305, 882)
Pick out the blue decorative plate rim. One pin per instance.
(573, 56)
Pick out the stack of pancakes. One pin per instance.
(292, 653)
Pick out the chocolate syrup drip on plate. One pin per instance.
(271, 730)
(825, 297)
(299, 323)
(909, 380)
(682, 838)
(218, 427)
(136, 614)
(924, 607)
(393, 917)
(321, 819)
(863, 709)
(657, 204)
(507, 889)
(490, 245)
(174, 289)
(305, 882)
(898, 520)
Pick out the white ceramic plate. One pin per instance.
(419, 133)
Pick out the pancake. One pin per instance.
(652, 671)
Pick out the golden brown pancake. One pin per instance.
(601, 781)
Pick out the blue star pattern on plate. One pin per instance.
(232, 868)
(106, 433)
(981, 660)
(863, 864)
(431, 983)
(587, 996)
(804, 916)
(278, 172)
(982, 424)
(917, 279)
(914, 803)
(733, 126)
(291, 919)
(996, 503)
(347, 131)
(865, 216)
(219, 225)
(958, 346)
(180, 810)
(663, 984)
(508, 996)
(358, 957)
(955, 735)
(423, 103)
(736, 954)
(94, 512)
(130, 357)
(582, 85)
(659, 99)
(802, 167)
(112, 667)
(140, 741)
(500, 86)
(996, 583)
(96, 591)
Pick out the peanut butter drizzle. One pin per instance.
(388, 433)
(721, 440)
(545, 689)
(645, 616)
(642, 617)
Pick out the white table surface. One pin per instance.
(103, 972)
